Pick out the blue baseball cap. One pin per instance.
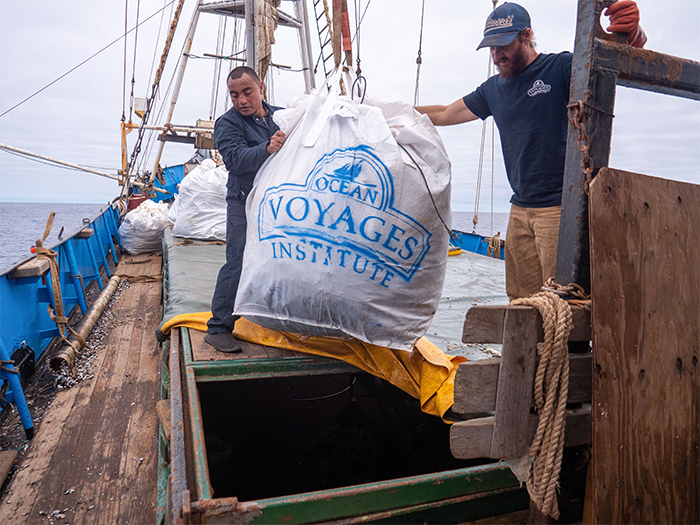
(503, 25)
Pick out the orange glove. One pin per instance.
(624, 18)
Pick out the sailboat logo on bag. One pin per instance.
(343, 215)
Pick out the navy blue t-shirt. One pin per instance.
(531, 115)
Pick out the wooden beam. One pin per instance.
(484, 324)
(7, 459)
(515, 380)
(476, 383)
(85, 233)
(163, 411)
(472, 439)
(32, 268)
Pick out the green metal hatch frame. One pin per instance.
(459, 495)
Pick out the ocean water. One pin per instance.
(21, 224)
(464, 221)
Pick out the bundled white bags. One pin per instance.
(345, 235)
(199, 211)
(142, 228)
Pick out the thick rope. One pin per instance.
(494, 249)
(58, 316)
(551, 392)
(7, 369)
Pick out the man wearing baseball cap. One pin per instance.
(528, 100)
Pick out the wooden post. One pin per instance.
(517, 374)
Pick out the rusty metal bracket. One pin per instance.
(600, 63)
(178, 464)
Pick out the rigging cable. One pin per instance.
(126, 26)
(475, 219)
(419, 59)
(133, 67)
(154, 90)
(360, 82)
(220, 38)
(82, 63)
(453, 235)
(150, 139)
(357, 30)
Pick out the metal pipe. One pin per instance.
(67, 351)
(250, 33)
(178, 462)
(181, 129)
(16, 386)
(305, 44)
(75, 275)
(56, 161)
(182, 64)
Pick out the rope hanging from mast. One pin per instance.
(475, 219)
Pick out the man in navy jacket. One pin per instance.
(245, 136)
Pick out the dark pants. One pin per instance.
(227, 283)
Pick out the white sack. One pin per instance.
(343, 238)
(142, 228)
(199, 211)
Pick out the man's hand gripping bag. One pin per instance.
(346, 237)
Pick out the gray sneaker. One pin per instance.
(223, 342)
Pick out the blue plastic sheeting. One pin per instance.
(173, 177)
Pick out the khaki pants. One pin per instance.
(531, 249)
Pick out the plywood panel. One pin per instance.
(645, 283)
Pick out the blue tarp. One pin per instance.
(172, 176)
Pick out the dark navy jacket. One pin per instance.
(242, 140)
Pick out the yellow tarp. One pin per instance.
(427, 373)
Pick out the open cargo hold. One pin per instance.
(274, 435)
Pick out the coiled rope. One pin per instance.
(551, 392)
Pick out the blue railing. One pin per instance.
(24, 301)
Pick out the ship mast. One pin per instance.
(261, 18)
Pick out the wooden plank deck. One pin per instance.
(202, 351)
(94, 456)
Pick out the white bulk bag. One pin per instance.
(199, 211)
(142, 228)
(344, 239)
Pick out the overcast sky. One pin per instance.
(77, 118)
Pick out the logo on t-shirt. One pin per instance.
(538, 87)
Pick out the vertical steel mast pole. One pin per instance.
(182, 64)
(305, 44)
(250, 33)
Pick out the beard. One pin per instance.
(511, 68)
